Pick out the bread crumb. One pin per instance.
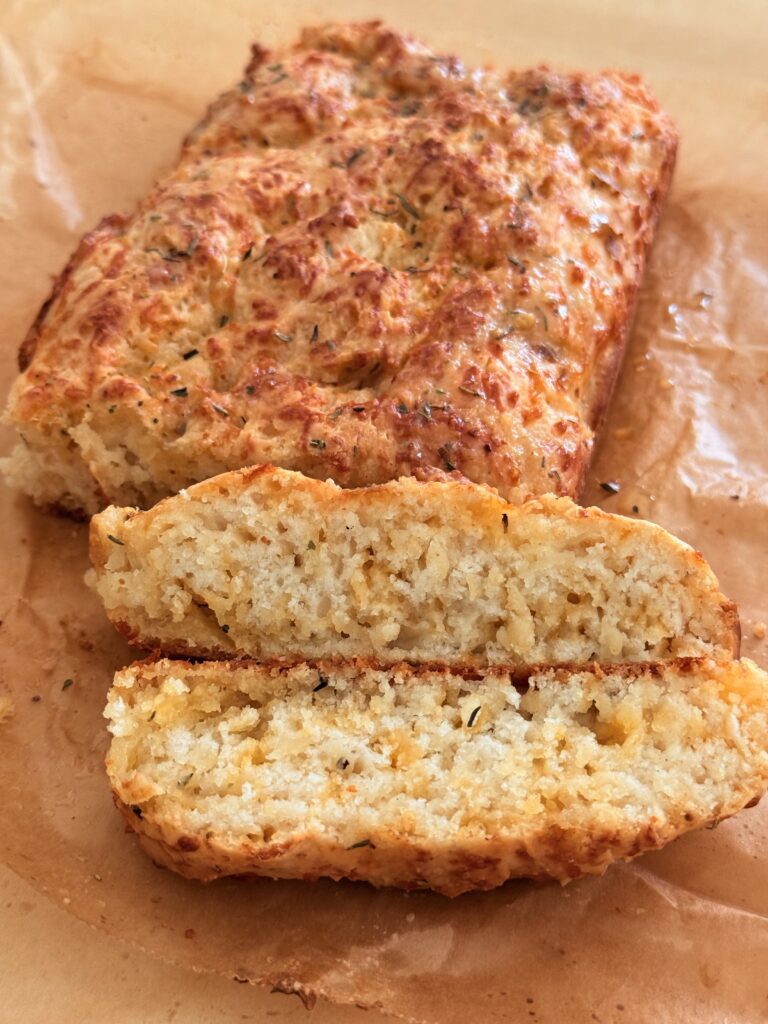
(6, 708)
(758, 630)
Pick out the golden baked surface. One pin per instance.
(268, 563)
(427, 777)
(369, 261)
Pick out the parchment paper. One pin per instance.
(94, 99)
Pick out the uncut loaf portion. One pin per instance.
(369, 260)
(424, 777)
(268, 563)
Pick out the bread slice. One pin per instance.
(269, 563)
(369, 259)
(424, 777)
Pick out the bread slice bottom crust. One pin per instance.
(424, 777)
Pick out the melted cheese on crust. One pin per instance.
(369, 261)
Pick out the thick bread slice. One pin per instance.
(426, 777)
(269, 563)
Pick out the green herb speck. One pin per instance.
(408, 206)
(357, 846)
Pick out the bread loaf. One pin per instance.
(370, 261)
(426, 777)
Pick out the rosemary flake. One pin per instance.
(408, 206)
(180, 392)
(317, 442)
(473, 715)
(363, 842)
(116, 540)
(322, 684)
(190, 354)
(67, 683)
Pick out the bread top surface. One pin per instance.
(370, 261)
(266, 562)
(357, 766)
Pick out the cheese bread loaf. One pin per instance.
(369, 261)
(426, 777)
(268, 563)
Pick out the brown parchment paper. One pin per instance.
(94, 98)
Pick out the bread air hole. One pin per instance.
(606, 733)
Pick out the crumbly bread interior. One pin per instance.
(350, 753)
(270, 564)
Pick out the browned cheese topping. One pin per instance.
(369, 261)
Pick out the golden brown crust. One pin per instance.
(369, 262)
(394, 861)
(608, 362)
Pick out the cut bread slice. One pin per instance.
(268, 563)
(425, 777)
